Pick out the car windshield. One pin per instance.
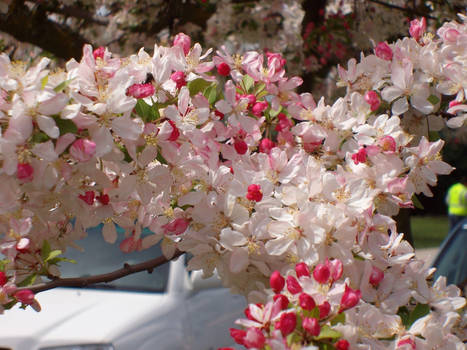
(100, 257)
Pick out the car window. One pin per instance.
(452, 259)
(100, 257)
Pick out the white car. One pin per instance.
(165, 310)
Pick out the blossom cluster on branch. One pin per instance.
(218, 156)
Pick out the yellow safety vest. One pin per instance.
(456, 200)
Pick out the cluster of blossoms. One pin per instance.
(219, 157)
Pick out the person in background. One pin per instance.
(456, 200)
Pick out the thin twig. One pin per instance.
(126, 270)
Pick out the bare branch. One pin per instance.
(408, 10)
(126, 270)
(34, 26)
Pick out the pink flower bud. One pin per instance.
(417, 28)
(387, 144)
(277, 282)
(87, 197)
(283, 301)
(174, 135)
(311, 326)
(141, 90)
(321, 273)
(258, 108)
(25, 172)
(176, 227)
(383, 51)
(275, 60)
(83, 150)
(407, 341)
(306, 301)
(372, 98)
(266, 145)
(324, 310)
(254, 193)
(254, 338)
(360, 156)
(286, 323)
(293, 286)
(25, 296)
(184, 41)
(453, 103)
(3, 278)
(99, 52)
(336, 267)
(350, 298)
(342, 344)
(238, 335)
(179, 79)
(301, 269)
(223, 69)
(376, 276)
(240, 146)
(284, 123)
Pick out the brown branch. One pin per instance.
(399, 8)
(33, 26)
(77, 12)
(126, 270)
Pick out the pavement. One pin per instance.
(426, 254)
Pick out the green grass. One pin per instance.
(429, 231)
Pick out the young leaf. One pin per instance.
(146, 112)
(60, 87)
(28, 280)
(247, 83)
(45, 250)
(53, 254)
(66, 126)
(328, 333)
(196, 86)
(433, 99)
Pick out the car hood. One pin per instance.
(80, 316)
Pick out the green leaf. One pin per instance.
(39, 137)
(247, 83)
(66, 126)
(147, 112)
(434, 100)
(262, 94)
(417, 202)
(53, 254)
(60, 87)
(418, 312)
(196, 86)
(404, 314)
(340, 318)
(211, 93)
(45, 250)
(3, 264)
(273, 113)
(259, 88)
(324, 346)
(28, 280)
(328, 333)
(55, 261)
(44, 82)
(311, 313)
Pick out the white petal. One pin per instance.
(400, 106)
(238, 260)
(47, 125)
